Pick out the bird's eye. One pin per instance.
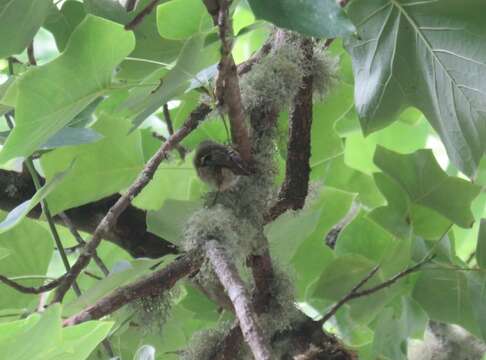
(206, 159)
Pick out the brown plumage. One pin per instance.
(219, 165)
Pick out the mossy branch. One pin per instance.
(230, 279)
(157, 282)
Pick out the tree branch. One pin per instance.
(296, 184)
(230, 279)
(72, 229)
(227, 82)
(124, 201)
(141, 15)
(355, 293)
(155, 283)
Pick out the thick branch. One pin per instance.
(124, 201)
(296, 184)
(234, 286)
(157, 282)
(355, 293)
(130, 232)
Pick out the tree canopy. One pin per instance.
(338, 211)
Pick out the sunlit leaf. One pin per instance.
(49, 96)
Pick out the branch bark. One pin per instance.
(124, 201)
(141, 15)
(296, 184)
(157, 282)
(230, 279)
(227, 82)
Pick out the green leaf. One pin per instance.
(336, 174)
(400, 137)
(161, 86)
(172, 180)
(476, 283)
(481, 245)
(41, 337)
(313, 254)
(30, 250)
(21, 211)
(19, 22)
(4, 253)
(47, 338)
(168, 222)
(422, 54)
(319, 18)
(49, 96)
(325, 141)
(390, 333)
(428, 185)
(342, 274)
(69, 136)
(289, 230)
(180, 19)
(444, 295)
(62, 22)
(365, 238)
(101, 168)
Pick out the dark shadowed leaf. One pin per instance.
(319, 18)
(428, 54)
(19, 21)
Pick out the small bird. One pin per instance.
(219, 165)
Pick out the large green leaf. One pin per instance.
(48, 97)
(476, 283)
(444, 295)
(19, 21)
(427, 54)
(47, 338)
(30, 250)
(161, 86)
(481, 246)
(62, 22)
(319, 18)
(100, 169)
(180, 19)
(428, 185)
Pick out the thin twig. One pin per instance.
(170, 128)
(30, 54)
(124, 201)
(141, 15)
(50, 221)
(69, 224)
(355, 293)
(235, 288)
(158, 281)
(30, 289)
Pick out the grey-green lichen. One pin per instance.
(324, 69)
(204, 343)
(152, 311)
(275, 80)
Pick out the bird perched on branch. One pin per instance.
(219, 165)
